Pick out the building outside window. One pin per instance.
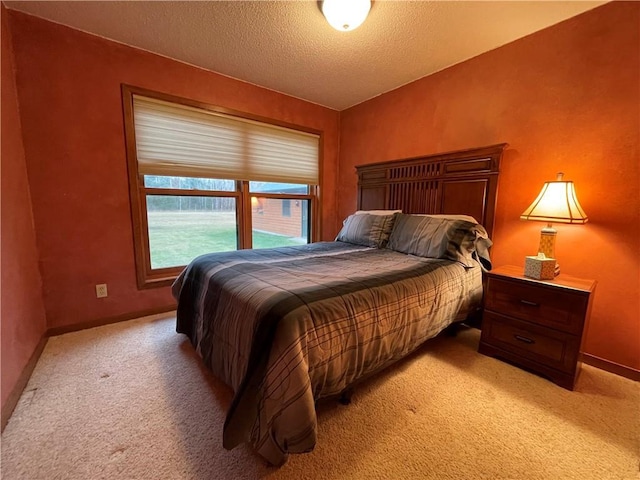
(282, 216)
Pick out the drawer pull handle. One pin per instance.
(524, 339)
(530, 304)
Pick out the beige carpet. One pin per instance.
(132, 401)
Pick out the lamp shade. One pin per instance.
(345, 15)
(557, 202)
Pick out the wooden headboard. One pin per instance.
(462, 182)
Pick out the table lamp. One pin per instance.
(557, 202)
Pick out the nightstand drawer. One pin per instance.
(546, 346)
(552, 307)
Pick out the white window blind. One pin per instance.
(177, 140)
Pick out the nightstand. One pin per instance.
(536, 324)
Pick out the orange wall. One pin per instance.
(70, 105)
(565, 99)
(22, 310)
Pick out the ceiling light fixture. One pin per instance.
(346, 15)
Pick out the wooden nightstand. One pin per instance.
(536, 324)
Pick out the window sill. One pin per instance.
(157, 281)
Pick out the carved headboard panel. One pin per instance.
(462, 182)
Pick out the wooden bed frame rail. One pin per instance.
(462, 182)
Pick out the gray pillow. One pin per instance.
(439, 237)
(365, 229)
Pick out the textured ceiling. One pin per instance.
(288, 46)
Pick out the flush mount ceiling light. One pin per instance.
(346, 15)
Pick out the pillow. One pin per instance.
(378, 212)
(441, 237)
(367, 230)
(468, 218)
(482, 245)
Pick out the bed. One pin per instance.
(286, 327)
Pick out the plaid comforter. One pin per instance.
(284, 327)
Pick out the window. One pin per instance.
(286, 208)
(204, 179)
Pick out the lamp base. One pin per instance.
(548, 244)
(548, 241)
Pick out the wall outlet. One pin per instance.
(101, 290)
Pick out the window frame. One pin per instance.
(146, 276)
